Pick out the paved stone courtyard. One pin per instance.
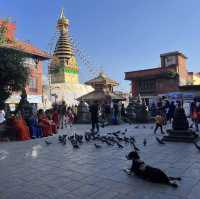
(32, 169)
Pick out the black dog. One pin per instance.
(147, 172)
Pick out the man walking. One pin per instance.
(94, 110)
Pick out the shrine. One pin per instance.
(64, 68)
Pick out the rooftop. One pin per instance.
(147, 72)
(27, 48)
(102, 79)
(12, 43)
(173, 53)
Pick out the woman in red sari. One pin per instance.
(44, 123)
(21, 128)
(55, 117)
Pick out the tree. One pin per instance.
(13, 72)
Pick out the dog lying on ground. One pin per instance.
(156, 175)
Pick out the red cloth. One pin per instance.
(22, 129)
(53, 127)
(45, 124)
(198, 116)
(55, 118)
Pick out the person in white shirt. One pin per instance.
(2, 116)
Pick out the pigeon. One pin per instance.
(119, 139)
(135, 148)
(108, 143)
(126, 139)
(64, 140)
(160, 141)
(132, 139)
(151, 127)
(145, 142)
(97, 145)
(119, 145)
(47, 142)
(60, 138)
(136, 127)
(197, 146)
(79, 138)
(144, 126)
(126, 130)
(74, 144)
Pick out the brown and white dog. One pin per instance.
(149, 173)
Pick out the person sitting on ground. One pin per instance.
(49, 114)
(35, 130)
(44, 123)
(21, 128)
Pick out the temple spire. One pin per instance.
(62, 15)
(63, 22)
(63, 53)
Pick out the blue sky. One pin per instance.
(116, 35)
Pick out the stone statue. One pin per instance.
(130, 110)
(180, 121)
(141, 111)
(24, 106)
(83, 114)
(180, 131)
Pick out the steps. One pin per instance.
(187, 136)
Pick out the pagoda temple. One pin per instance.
(65, 81)
(103, 90)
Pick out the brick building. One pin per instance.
(169, 77)
(33, 60)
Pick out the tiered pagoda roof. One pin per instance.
(103, 90)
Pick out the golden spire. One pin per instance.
(63, 50)
(63, 22)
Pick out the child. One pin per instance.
(70, 117)
(159, 121)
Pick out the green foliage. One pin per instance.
(13, 72)
(3, 31)
(169, 74)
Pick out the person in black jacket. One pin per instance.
(94, 110)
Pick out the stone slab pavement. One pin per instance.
(33, 170)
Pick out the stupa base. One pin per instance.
(187, 136)
(69, 92)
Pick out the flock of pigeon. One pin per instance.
(116, 138)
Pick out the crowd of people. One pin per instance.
(15, 126)
(42, 123)
(164, 112)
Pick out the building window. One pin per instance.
(146, 85)
(33, 84)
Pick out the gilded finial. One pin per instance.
(62, 15)
(63, 22)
